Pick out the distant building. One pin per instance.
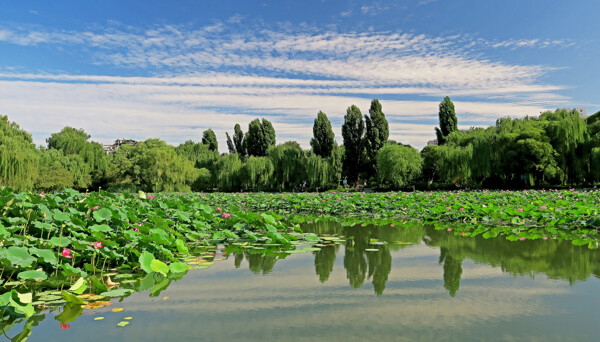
(582, 111)
(112, 148)
(432, 142)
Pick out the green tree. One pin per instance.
(230, 144)
(74, 142)
(257, 173)
(260, 136)
(323, 137)
(227, 172)
(376, 135)
(288, 162)
(352, 133)
(238, 141)
(448, 121)
(53, 175)
(209, 138)
(399, 165)
(18, 157)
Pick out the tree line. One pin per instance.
(558, 148)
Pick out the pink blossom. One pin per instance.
(545, 238)
(521, 239)
(391, 225)
(96, 207)
(219, 209)
(462, 234)
(543, 207)
(42, 195)
(449, 229)
(96, 245)
(67, 253)
(448, 208)
(462, 209)
(150, 196)
(226, 215)
(136, 229)
(362, 224)
(520, 210)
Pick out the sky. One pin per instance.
(172, 69)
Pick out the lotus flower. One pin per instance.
(67, 253)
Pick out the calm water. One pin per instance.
(424, 285)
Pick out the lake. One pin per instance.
(403, 283)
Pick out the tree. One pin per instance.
(260, 136)
(288, 165)
(209, 138)
(399, 165)
(352, 133)
(230, 145)
(92, 168)
(376, 135)
(448, 121)
(18, 157)
(323, 137)
(257, 173)
(227, 172)
(53, 175)
(238, 140)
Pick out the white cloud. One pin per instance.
(215, 76)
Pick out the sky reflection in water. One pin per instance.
(423, 285)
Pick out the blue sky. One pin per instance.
(170, 69)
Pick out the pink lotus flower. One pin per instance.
(219, 209)
(96, 207)
(136, 229)
(67, 253)
(64, 326)
(448, 208)
(362, 224)
(449, 229)
(42, 195)
(543, 207)
(521, 239)
(545, 238)
(520, 210)
(226, 215)
(44, 214)
(391, 225)
(462, 233)
(462, 209)
(150, 196)
(96, 245)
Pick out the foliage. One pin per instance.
(288, 165)
(260, 136)
(238, 141)
(448, 121)
(18, 158)
(352, 133)
(323, 138)
(399, 165)
(209, 138)
(376, 135)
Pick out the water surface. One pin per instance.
(422, 285)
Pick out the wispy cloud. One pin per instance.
(216, 75)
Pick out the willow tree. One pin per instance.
(74, 142)
(318, 172)
(198, 153)
(53, 174)
(323, 137)
(398, 165)
(567, 132)
(376, 135)
(352, 133)
(288, 162)
(257, 173)
(455, 164)
(227, 172)
(18, 157)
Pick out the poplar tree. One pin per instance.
(376, 135)
(260, 136)
(238, 140)
(210, 138)
(323, 136)
(352, 133)
(448, 121)
(230, 145)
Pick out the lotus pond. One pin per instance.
(355, 266)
